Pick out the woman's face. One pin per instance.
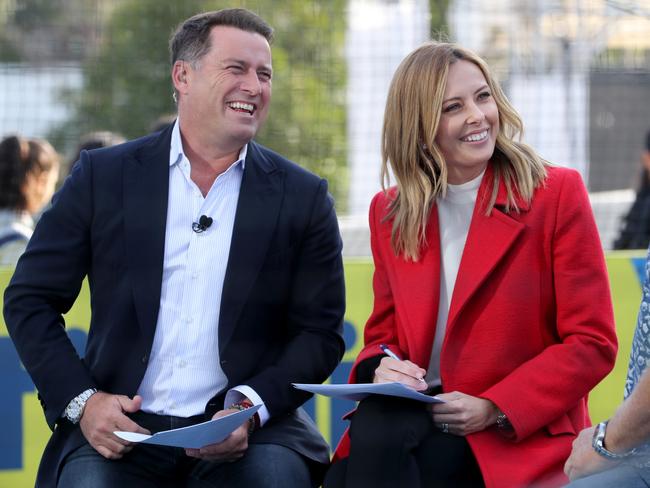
(39, 187)
(469, 123)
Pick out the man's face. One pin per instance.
(228, 92)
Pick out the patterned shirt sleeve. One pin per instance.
(640, 356)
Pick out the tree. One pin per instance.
(127, 86)
(438, 13)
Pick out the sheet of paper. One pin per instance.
(361, 390)
(194, 436)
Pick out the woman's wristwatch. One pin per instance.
(598, 443)
(504, 426)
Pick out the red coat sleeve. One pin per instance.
(582, 339)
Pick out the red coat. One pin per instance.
(530, 323)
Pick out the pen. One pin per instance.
(391, 354)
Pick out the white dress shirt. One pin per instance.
(184, 370)
(454, 217)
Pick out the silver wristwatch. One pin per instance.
(75, 408)
(598, 443)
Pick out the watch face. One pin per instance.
(73, 412)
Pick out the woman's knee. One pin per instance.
(386, 420)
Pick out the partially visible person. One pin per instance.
(162, 122)
(616, 453)
(635, 232)
(95, 140)
(29, 170)
(490, 285)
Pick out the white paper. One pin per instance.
(360, 391)
(194, 436)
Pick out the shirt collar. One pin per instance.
(176, 153)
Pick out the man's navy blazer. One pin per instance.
(282, 304)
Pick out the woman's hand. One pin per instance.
(463, 414)
(405, 372)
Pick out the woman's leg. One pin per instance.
(446, 460)
(384, 433)
(393, 442)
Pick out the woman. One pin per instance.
(490, 285)
(29, 169)
(635, 229)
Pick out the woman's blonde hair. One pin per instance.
(411, 122)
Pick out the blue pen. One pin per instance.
(388, 352)
(391, 354)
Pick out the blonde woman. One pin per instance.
(490, 288)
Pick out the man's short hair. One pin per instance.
(191, 40)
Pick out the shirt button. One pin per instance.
(195, 275)
(144, 359)
(188, 320)
(182, 363)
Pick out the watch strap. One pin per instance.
(504, 427)
(598, 443)
(75, 408)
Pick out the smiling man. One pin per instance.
(216, 279)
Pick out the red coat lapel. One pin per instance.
(419, 285)
(489, 239)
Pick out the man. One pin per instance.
(617, 452)
(216, 281)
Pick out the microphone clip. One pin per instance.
(202, 225)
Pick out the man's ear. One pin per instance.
(179, 76)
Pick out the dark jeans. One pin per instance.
(263, 465)
(619, 476)
(393, 442)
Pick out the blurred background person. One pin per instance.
(635, 232)
(162, 122)
(29, 170)
(95, 140)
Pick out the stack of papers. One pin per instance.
(194, 436)
(362, 390)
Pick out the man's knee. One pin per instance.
(269, 466)
(623, 475)
(85, 468)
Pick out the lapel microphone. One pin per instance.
(202, 225)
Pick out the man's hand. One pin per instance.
(231, 448)
(104, 414)
(583, 460)
(464, 414)
(405, 372)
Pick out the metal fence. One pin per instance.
(578, 72)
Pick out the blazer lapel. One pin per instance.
(489, 239)
(146, 187)
(420, 283)
(258, 208)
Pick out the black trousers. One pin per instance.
(394, 442)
